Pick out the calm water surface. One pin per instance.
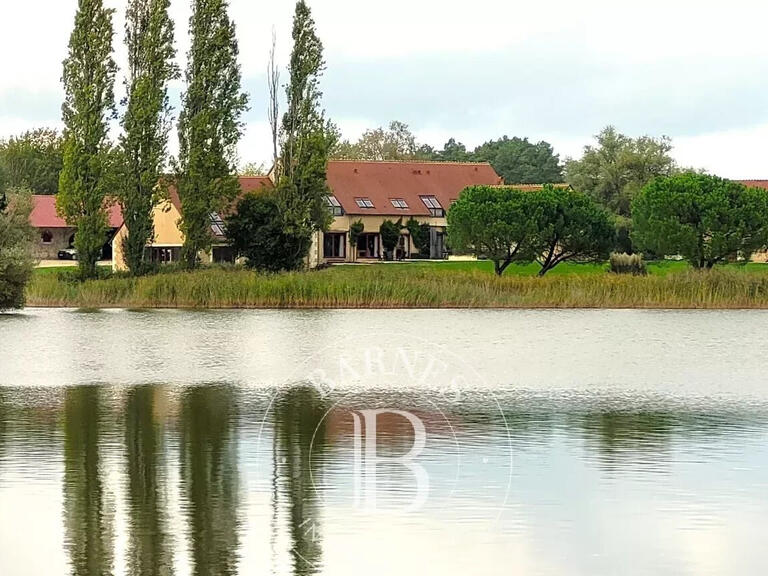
(223, 443)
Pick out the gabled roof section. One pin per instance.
(381, 182)
(247, 184)
(44, 214)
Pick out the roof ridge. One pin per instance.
(436, 162)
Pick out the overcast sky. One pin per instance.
(557, 70)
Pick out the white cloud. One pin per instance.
(564, 65)
(739, 154)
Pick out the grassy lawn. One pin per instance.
(656, 268)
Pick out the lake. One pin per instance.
(383, 442)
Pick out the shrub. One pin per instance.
(628, 264)
(390, 234)
(16, 262)
(259, 233)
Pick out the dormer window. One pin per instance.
(218, 227)
(334, 207)
(364, 203)
(399, 203)
(435, 208)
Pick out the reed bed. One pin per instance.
(404, 287)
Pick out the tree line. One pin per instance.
(625, 195)
(88, 171)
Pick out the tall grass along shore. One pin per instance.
(406, 286)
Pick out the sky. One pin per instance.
(557, 70)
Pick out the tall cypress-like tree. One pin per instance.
(209, 124)
(307, 136)
(89, 81)
(144, 142)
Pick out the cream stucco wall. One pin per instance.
(167, 234)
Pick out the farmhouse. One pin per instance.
(54, 234)
(372, 192)
(366, 193)
(166, 245)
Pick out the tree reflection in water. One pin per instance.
(299, 434)
(210, 478)
(88, 512)
(149, 548)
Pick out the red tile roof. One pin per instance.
(755, 183)
(383, 181)
(247, 184)
(44, 214)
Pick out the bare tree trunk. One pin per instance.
(273, 80)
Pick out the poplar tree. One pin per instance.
(89, 80)
(307, 136)
(144, 142)
(209, 124)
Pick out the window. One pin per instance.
(435, 208)
(334, 207)
(46, 237)
(399, 203)
(335, 246)
(364, 202)
(217, 225)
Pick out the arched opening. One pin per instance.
(71, 241)
(46, 237)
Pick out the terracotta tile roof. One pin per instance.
(381, 182)
(247, 184)
(44, 214)
(755, 183)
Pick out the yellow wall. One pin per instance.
(166, 218)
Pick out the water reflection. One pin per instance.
(211, 478)
(161, 480)
(149, 547)
(88, 508)
(298, 428)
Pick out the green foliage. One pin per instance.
(702, 218)
(307, 137)
(622, 242)
(16, 262)
(89, 78)
(571, 227)
(258, 233)
(355, 231)
(144, 142)
(615, 170)
(497, 223)
(623, 263)
(209, 124)
(419, 235)
(396, 143)
(254, 169)
(429, 285)
(519, 161)
(507, 225)
(32, 160)
(390, 234)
